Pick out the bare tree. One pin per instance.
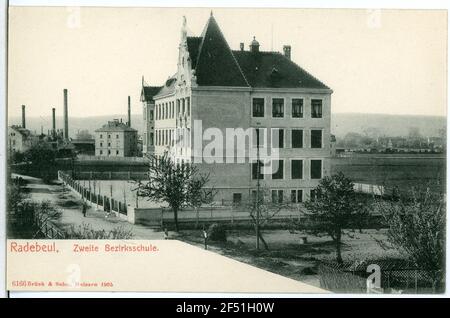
(269, 207)
(333, 208)
(417, 229)
(197, 195)
(170, 182)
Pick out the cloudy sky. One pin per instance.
(391, 62)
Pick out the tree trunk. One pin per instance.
(263, 241)
(338, 246)
(196, 217)
(175, 216)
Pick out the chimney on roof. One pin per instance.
(53, 122)
(254, 46)
(23, 117)
(66, 116)
(287, 51)
(129, 111)
(241, 45)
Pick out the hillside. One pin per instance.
(341, 123)
(389, 125)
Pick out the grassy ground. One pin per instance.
(394, 170)
(288, 256)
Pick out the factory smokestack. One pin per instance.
(66, 117)
(53, 122)
(129, 111)
(23, 117)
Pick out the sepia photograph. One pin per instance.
(230, 150)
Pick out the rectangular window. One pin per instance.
(278, 107)
(277, 196)
(316, 108)
(296, 196)
(258, 107)
(101, 144)
(237, 198)
(297, 138)
(316, 169)
(278, 138)
(117, 152)
(101, 136)
(316, 138)
(255, 171)
(277, 169)
(297, 169)
(101, 152)
(151, 139)
(297, 108)
(151, 115)
(117, 136)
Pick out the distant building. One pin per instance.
(20, 139)
(116, 139)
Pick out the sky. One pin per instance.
(388, 61)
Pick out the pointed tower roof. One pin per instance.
(215, 62)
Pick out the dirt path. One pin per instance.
(71, 208)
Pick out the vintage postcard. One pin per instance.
(226, 150)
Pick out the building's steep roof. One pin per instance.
(193, 43)
(215, 64)
(272, 69)
(149, 91)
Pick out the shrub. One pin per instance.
(86, 232)
(217, 233)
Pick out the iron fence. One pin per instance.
(395, 276)
(108, 204)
